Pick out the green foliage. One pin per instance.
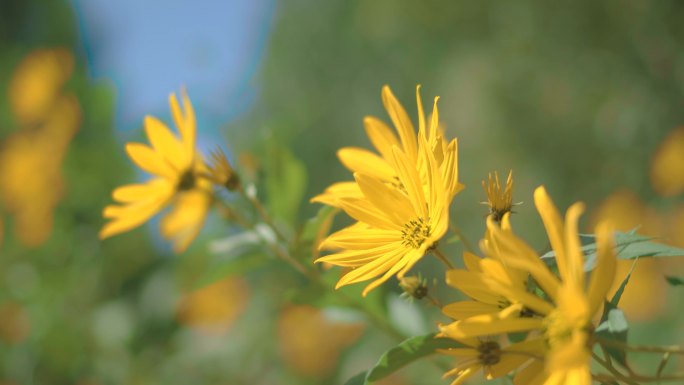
(285, 182)
(401, 355)
(613, 324)
(630, 245)
(674, 281)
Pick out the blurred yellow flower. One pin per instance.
(15, 324)
(310, 343)
(626, 211)
(31, 183)
(214, 308)
(383, 139)
(180, 180)
(37, 81)
(566, 318)
(396, 227)
(667, 164)
(499, 200)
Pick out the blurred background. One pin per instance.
(586, 98)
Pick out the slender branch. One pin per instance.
(635, 378)
(434, 301)
(640, 348)
(261, 210)
(613, 371)
(438, 253)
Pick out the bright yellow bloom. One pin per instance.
(500, 201)
(383, 139)
(396, 227)
(667, 165)
(180, 180)
(494, 360)
(566, 317)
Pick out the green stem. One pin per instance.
(438, 253)
(639, 348)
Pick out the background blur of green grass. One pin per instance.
(575, 96)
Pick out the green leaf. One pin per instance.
(313, 232)
(630, 245)
(614, 327)
(359, 379)
(407, 352)
(674, 281)
(401, 355)
(613, 330)
(286, 180)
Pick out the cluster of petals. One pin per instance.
(179, 180)
(400, 197)
(560, 319)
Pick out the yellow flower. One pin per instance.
(667, 165)
(396, 227)
(215, 308)
(31, 182)
(500, 201)
(383, 139)
(566, 317)
(310, 343)
(180, 180)
(37, 81)
(486, 354)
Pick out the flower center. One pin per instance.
(415, 233)
(490, 353)
(186, 181)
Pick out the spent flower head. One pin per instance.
(221, 172)
(499, 198)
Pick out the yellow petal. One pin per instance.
(387, 199)
(166, 144)
(421, 113)
(150, 161)
(363, 211)
(408, 175)
(467, 309)
(488, 324)
(381, 136)
(366, 162)
(402, 122)
(604, 273)
(554, 227)
(574, 256)
(137, 192)
(185, 121)
(533, 374)
(337, 191)
(134, 217)
(186, 218)
(381, 264)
